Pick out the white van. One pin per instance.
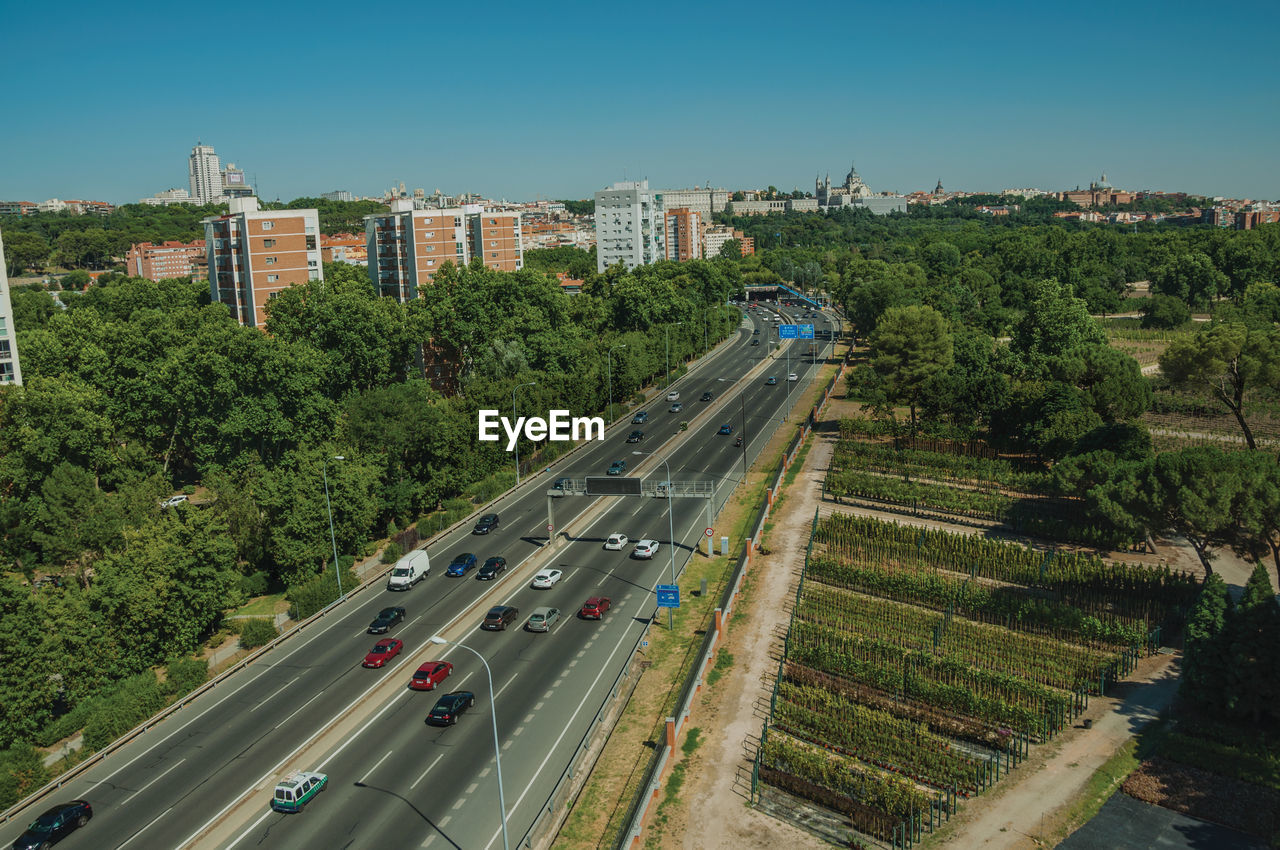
(674, 395)
(409, 570)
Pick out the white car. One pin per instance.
(173, 501)
(674, 395)
(645, 549)
(616, 542)
(793, 377)
(547, 578)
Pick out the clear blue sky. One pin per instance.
(528, 99)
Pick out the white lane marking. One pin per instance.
(430, 838)
(581, 652)
(445, 820)
(148, 826)
(375, 767)
(528, 718)
(519, 729)
(464, 679)
(126, 800)
(462, 801)
(360, 731)
(251, 828)
(548, 695)
(290, 717)
(498, 693)
(485, 772)
(425, 772)
(506, 745)
(565, 726)
(643, 505)
(268, 699)
(537, 707)
(573, 663)
(472, 789)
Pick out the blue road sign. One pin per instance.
(788, 331)
(668, 596)
(806, 331)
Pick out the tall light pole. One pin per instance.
(493, 715)
(515, 416)
(671, 533)
(324, 470)
(669, 352)
(609, 357)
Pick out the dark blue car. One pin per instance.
(461, 565)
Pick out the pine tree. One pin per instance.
(1254, 632)
(1205, 659)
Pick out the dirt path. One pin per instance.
(714, 814)
(1019, 811)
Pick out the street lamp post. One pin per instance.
(669, 352)
(671, 533)
(324, 469)
(493, 715)
(609, 358)
(516, 416)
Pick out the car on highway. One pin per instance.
(705, 397)
(386, 618)
(561, 484)
(635, 436)
(677, 407)
(674, 395)
(616, 542)
(450, 707)
(617, 467)
(382, 652)
(296, 790)
(485, 524)
(641, 417)
(755, 342)
(542, 619)
(772, 380)
(725, 429)
(499, 617)
(594, 608)
(645, 549)
(492, 567)
(546, 578)
(756, 332)
(793, 377)
(430, 674)
(461, 564)
(55, 824)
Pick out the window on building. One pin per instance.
(268, 225)
(268, 243)
(429, 234)
(6, 372)
(271, 261)
(272, 278)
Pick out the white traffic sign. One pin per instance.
(550, 528)
(708, 532)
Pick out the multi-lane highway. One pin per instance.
(395, 781)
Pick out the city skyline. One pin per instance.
(557, 105)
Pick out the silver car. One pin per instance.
(542, 619)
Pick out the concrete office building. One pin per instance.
(702, 201)
(407, 247)
(205, 174)
(253, 254)
(10, 370)
(629, 225)
(338, 195)
(683, 235)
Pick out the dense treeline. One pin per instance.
(139, 387)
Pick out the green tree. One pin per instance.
(1253, 687)
(1055, 323)
(1191, 277)
(910, 346)
(25, 251)
(731, 250)
(1231, 360)
(1165, 311)
(1206, 669)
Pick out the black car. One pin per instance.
(635, 436)
(386, 618)
(485, 524)
(756, 332)
(55, 825)
(640, 418)
(773, 380)
(499, 617)
(450, 707)
(491, 568)
(705, 397)
(755, 342)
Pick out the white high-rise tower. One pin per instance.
(10, 371)
(205, 173)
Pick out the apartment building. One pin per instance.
(683, 235)
(204, 173)
(10, 370)
(715, 236)
(407, 247)
(702, 201)
(165, 260)
(629, 225)
(254, 253)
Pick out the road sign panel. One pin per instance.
(668, 596)
(709, 531)
(550, 528)
(806, 331)
(612, 485)
(788, 331)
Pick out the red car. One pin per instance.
(594, 608)
(430, 674)
(382, 652)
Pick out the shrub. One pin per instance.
(184, 675)
(133, 701)
(256, 632)
(255, 584)
(1165, 311)
(21, 772)
(392, 528)
(309, 597)
(189, 489)
(392, 553)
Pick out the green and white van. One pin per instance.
(297, 789)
